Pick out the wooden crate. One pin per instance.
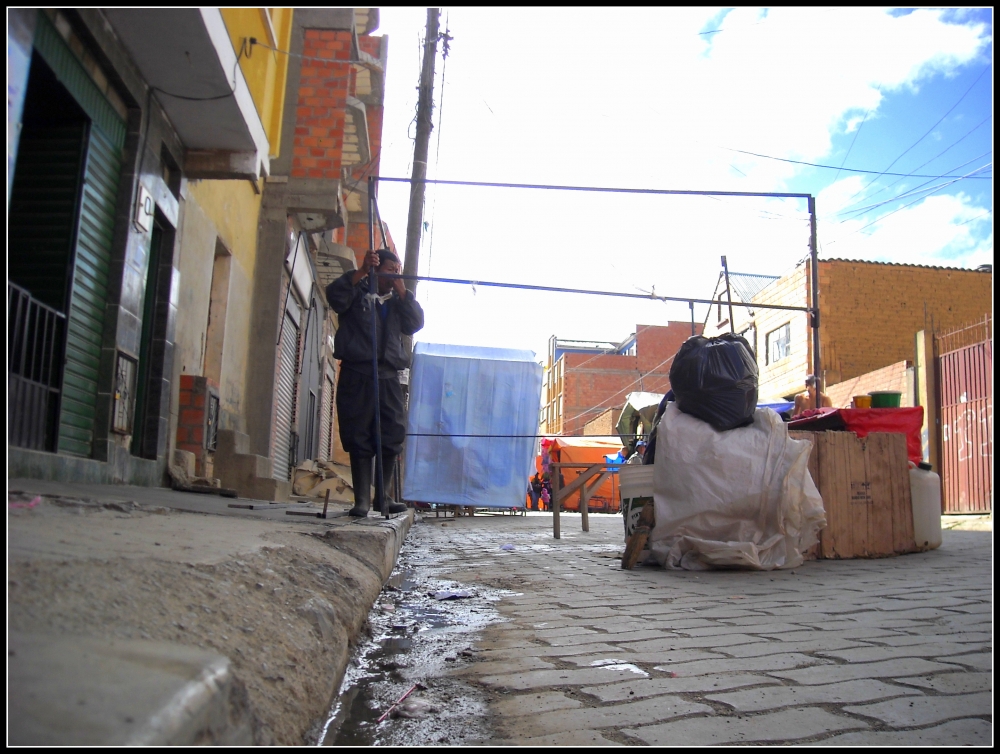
(865, 486)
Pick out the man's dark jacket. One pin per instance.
(353, 341)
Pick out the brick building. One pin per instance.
(583, 379)
(869, 315)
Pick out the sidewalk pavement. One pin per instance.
(886, 652)
(146, 616)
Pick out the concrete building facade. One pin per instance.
(139, 142)
(184, 184)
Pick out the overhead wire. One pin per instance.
(930, 192)
(927, 133)
(856, 134)
(939, 154)
(834, 167)
(916, 190)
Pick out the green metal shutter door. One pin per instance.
(89, 296)
(43, 211)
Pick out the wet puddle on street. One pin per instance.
(422, 628)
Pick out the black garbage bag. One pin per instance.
(715, 380)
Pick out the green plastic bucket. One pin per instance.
(885, 398)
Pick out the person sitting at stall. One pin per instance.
(640, 451)
(807, 399)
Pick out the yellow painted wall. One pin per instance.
(266, 71)
(234, 207)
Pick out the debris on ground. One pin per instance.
(452, 595)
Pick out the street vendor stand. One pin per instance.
(860, 463)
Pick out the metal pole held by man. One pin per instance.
(374, 313)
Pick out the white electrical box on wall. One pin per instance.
(144, 210)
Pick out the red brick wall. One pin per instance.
(192, 420)
(319, 113)
(593, 384)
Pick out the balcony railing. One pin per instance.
(35, 342)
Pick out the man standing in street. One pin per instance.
(396, 314)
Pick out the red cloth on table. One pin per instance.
(864, 421)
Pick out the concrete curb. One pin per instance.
(76, 682)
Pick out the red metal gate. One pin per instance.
(965, 379)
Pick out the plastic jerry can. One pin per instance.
(925, 490)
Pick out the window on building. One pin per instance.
(778, 343)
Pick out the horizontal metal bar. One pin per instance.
(596, 189)
(584, 291)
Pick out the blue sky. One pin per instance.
(660, 98)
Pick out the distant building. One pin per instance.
(869, 315)
(583, 379)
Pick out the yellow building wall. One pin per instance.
(234, 207)
(266, 71)
(870, 312)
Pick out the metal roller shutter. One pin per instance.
(89, 295)
(284, 399)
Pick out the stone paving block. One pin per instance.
(591, 612)
(952, 683)
(743, 664)
(555, 632)
(520, 664)
(888, 669)
(537, 679)
(980, 608)
(616, 692)
(652, 709)
(514, 705)
(907, 712)
(927, 649)
(936, 633)
(786, 725)
(649, 658)
(646, 633)
(966, 732)
(719, 630)
(574, 738)
(977, 661)
(846, 692)
(763, 648)
(858, 633)
(520, 648)
(694, 642)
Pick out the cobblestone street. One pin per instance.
(892, 651)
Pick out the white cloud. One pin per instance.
(940, 230)
(637, 97)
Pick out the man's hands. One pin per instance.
(371, 261)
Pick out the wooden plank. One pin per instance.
(880, 471)
(860, 495)
(831, 538)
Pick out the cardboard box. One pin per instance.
(865, 486)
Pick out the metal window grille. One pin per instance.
(35, 340)
(124, 394)
(212, 428)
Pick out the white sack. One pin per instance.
(737, 499)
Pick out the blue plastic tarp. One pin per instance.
(457, 391)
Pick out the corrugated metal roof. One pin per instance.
(745, 285)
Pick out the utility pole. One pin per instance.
(425, 108)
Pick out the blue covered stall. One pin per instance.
(458, 391)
